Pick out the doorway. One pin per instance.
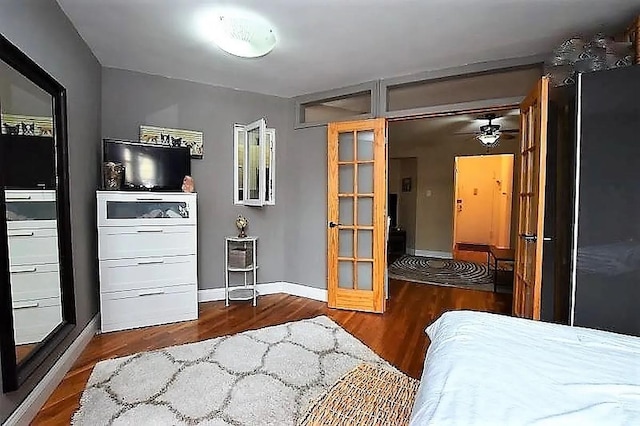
(424, 154)
(483, 201)
(531, 156)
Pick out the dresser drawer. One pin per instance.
(148, 272)
(34, 320)
(33, 246)
(140, 308)
(31, 282)
(142, 208)
(119, 242)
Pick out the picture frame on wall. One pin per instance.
(166, 136)
(28, 125)
(406, 184)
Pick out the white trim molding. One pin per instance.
(293, 289)
(306, 291)
(576, 204)
(28, 409)
(434, 253)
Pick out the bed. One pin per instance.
(488, 369)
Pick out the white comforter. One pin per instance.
(487, 369)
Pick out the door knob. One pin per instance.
(530, 238)
(333, 224)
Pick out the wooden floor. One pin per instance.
(398, 335)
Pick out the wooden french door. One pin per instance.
(533, 149)
(357, 191)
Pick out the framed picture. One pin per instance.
(406, 184)
(26, 125)
(174, 137)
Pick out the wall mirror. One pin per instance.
(37, 308)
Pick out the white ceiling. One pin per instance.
(326, 44)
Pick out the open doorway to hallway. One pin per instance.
(451, 203)
(483, 189)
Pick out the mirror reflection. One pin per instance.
(29, 169)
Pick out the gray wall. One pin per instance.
(131, 99)
(22, 97)
(400, 168)
(42, 31)
(435, 172)
(306, 221)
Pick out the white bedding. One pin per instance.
(487, 369)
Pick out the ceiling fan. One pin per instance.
(490, 134)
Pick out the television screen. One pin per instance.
(149, 167)
(392, 208)
(28, 162)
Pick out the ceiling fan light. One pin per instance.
(488, 139)
(490, 128)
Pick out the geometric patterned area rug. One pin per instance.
(443, 272)
(269, 376)
(366, 396)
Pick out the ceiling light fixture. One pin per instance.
(489, 139)
(242, 35)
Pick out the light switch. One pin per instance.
(475, 191)
(428, 193)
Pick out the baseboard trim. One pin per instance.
(28, 409)
(293, 289)
(434, 253)
(210, 295)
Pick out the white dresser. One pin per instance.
(34, 267)
(147, 248)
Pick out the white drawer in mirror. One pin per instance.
(33, 246)
(31, 282)
(34, 320)
(31, 209)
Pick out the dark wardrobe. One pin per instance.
(591, 249)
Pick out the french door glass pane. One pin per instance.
(365, 211)
(345, 243)
(365, 178)
(345, 177)
(345, 147)
(346, 210)
(365, 145)
(365, 244)
(345, 274)
(365, 276)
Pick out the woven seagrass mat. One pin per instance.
(367, 395)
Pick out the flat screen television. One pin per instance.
(149, 167)
(392, 208)
(28, 162)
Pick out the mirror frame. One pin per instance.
(14, 374)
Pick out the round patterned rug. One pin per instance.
(445, 272)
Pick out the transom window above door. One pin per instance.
(254, 147)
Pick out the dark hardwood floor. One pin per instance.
(397, 336)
